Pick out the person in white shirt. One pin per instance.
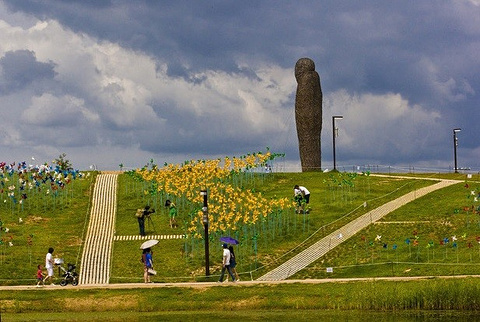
(226, 264)
(49, 266)
(301, 196)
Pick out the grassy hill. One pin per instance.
(336, 199)
(426, 222)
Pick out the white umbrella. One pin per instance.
(149, 243)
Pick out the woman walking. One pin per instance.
(233, 263)
(147, 264)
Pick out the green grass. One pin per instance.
(432, 217)
(219, 301)
(425, 223)
(58, 223)
(183, 260)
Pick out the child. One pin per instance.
(40, 276)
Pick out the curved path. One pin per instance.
(324, 245)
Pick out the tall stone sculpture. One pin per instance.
(308, 114)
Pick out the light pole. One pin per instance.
(455, 144)
(205, 225)
(339, 117)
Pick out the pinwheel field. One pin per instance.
(435, 234)
(438, 234)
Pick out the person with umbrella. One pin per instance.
(147, 264)
(226, 264)
(233, 263)
(147, 259)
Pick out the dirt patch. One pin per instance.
(251, 302)
(90, 303)
(35, 220)
(74, 241)
(7, 305)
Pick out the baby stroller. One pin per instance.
(69, 276)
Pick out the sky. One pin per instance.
(112, 82)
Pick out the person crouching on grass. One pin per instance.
(302, 196)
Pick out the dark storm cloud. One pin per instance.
(20, 68)
(355, 45)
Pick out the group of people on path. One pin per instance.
(229, 264)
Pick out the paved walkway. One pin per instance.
(138, 237)
(97, 251)
(201, 285)
(329, 242)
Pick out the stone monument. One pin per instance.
(308, 114)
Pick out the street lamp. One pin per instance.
(339, 117)
(205, 225)
(455, 144)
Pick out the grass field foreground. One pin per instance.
(252, 301)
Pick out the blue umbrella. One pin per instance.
(229, 240)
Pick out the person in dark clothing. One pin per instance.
(233, 263)
(226, 264)
(141, 219)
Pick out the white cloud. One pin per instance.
(379, 126)
(125, 97)
(48, 110)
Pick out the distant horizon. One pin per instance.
(285, 166)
